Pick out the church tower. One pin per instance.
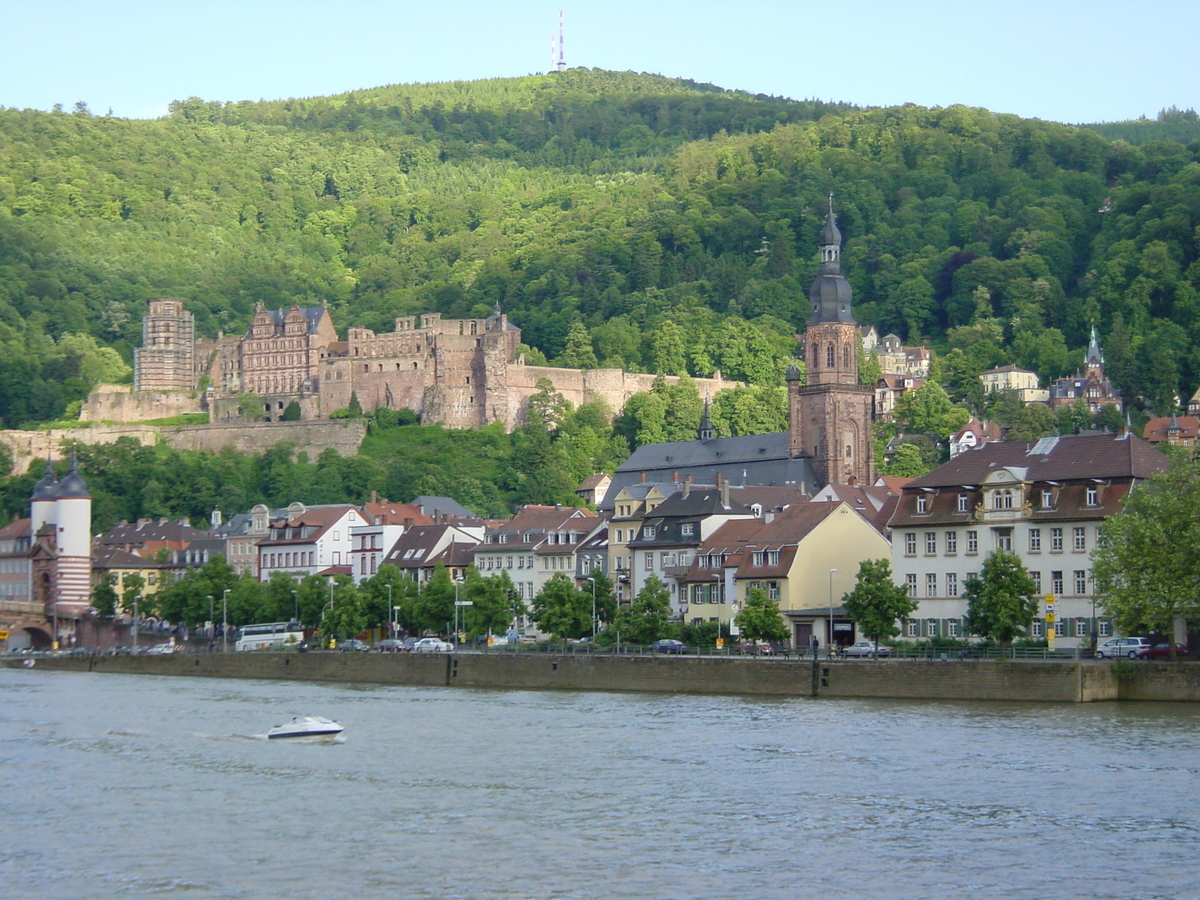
(830, 416)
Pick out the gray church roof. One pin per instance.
(750, 459)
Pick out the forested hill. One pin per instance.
(603, 210)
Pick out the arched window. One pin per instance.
(829, 356)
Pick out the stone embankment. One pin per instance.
(1060, 682)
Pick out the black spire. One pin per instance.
(830, 294)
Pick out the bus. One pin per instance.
(270, 635)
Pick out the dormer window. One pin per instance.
(688, 529)
(1047, 498)
(648, 533)
(1093, 495)
(964, 503)
(1002, 499)
(922, 503)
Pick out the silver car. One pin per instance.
(867, 648)
(432, 645)
(1124, 648)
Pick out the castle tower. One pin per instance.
(164, 361)
(830, 417)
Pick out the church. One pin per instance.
(828, 440)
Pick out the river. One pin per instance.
(142, 786)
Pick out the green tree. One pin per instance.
(877, 603)
(291, 412)
(104, 595)
(578, 353)
(562, 609)
(759, 618)
(1001, 599)
(1147, 565)
(647, 618)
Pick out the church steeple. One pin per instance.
(830, 294)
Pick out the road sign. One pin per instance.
(3, 634)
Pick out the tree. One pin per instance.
(1001, 599)
(578, 353)
(759, 619)
(1147, 566)
(562, 609)
(291, 412)
(647, 618)
(877, 603)
(104, 595)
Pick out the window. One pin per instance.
(756, 559)
(1060, 629)
(911, 584)
(1035, 540)
(1038, 628)
(1056, 583)
(910, 544)
(648, 533)
(930, 543)
(1104, 628)
(922, 503)
(1093, 495)
(773, 590)
(772, 557)
(952, 627)
(1056, 540)
(964, 501)
(932, 628)
(931, 584)
(1004, 539)
(649, 559)
(1081, 627)
(1080, 582)
(951, 542)
(972, 541)
(1047, 498)
(1037, 581)
(688, 529)
(952, 584)
(1078, 539)
(912, 628)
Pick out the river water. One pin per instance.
(141, 786)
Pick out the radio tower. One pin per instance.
(562, 62)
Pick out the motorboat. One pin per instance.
(306, 726)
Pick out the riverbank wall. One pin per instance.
(1057, 682)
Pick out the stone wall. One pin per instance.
(1067, 682)
(120, 403)
(343, 435)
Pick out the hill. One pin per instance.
(618, 203)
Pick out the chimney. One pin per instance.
(408, 522)
(674, 477)
(374, 496)
(724, 486)
(642, 478)
(687, 487)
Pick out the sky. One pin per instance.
(1063, 60)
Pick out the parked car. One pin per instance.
(669, 645)
(391, 645)
(1124, 648)
(867, 648)
(1163, 651)
(432, 645)
(758, 648)
(353, 646)
(160, 649)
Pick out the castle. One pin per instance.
(463, 373)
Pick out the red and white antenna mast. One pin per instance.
(562, 62)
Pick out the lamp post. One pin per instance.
(593, 581)
(224, 620)
(717, 600)
(391, 613)
(210, 614)
(296, 607)
(135, 623)
(830, 648)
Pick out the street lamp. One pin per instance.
(224, 620)
(457, 603)
(593, 581)
(135, 623)
(717, 601)
(296, 606)
(391, 613)
(830, 648)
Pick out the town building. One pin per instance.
(1091, 385)
(1022, 382)
(1172, 431)
(974, 434)
(314, 540)
(1042, 500)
